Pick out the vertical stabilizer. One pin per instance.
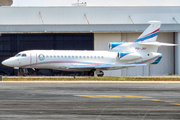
(151, 33)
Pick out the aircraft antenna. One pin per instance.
(78, 4)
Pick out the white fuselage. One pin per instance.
(62, 60)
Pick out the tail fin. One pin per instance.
(151, 33)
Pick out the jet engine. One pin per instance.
(128, 55)
(114, 44)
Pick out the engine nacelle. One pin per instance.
(128, 55)
(114, 44)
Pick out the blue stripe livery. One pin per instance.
(122, 54)
(146, 37)
(51, 62)
(157, 61)
(114, 44)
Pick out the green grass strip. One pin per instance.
(91, 79)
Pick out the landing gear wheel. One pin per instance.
(25, 72)
(101, 74)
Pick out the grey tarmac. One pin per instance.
(79, 100)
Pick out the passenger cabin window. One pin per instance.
(84, 57)
(87, 57)
(47, 56)
(18, 55)
(24, 55)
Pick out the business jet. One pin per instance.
(141, 52)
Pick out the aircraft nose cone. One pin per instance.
(6, 63)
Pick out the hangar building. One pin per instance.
(88, 28)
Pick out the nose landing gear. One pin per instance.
(25, 72)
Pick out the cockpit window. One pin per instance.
(18, 55)
(24, 55)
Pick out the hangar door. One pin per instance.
(56, 41)
(11, 44)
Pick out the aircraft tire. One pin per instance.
(101, 75)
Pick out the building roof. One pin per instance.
(95, 15)
(87, 19)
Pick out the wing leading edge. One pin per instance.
(105, 66)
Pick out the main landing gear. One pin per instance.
(97, 72)
(101, 74)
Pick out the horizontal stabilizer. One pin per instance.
(105, 66)
(157, 44)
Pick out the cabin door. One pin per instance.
(33, 59)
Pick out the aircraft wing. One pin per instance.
(110, 66)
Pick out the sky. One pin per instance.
(97, 2)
